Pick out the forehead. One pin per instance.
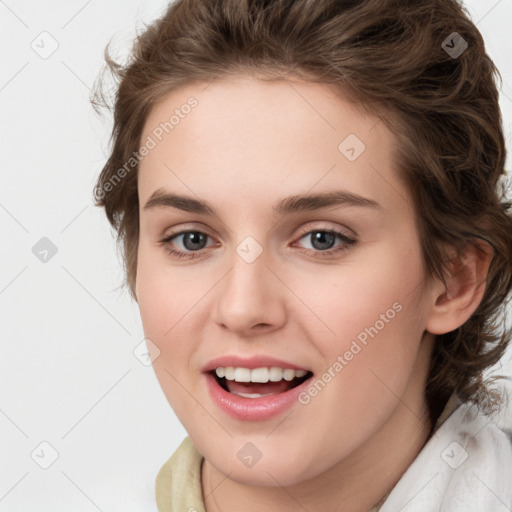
(262, 137)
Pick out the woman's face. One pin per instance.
(300, 253)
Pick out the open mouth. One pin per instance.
(258, 382)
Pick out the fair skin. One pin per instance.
(247, 145)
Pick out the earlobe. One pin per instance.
(456, 300)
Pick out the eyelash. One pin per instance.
(166, 243)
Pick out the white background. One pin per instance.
(68, 375)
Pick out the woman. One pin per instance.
(307, 196)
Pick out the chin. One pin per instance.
(257, 461)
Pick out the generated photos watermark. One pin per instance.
(343, 360)
(150, 143)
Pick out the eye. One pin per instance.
(192, 241)
(323, 240)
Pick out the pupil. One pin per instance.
(195, 238)
(322, 238)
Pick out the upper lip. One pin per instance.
(259, 361)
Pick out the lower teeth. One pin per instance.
(251, 395)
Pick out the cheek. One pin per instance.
(369, 313)
(348, 301)
(165, 301)
(165, 292)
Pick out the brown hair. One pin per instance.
(405, 60)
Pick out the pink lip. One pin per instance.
(250, 362)
(253, 409)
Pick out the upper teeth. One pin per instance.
(273, 374)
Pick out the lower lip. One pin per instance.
(253, 409)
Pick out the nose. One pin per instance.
(250, 299)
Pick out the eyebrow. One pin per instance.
(292, 204)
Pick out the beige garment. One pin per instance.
(178, 483)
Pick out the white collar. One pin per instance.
(465, 466)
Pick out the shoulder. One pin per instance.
(178, 482)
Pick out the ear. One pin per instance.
(453, 303)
